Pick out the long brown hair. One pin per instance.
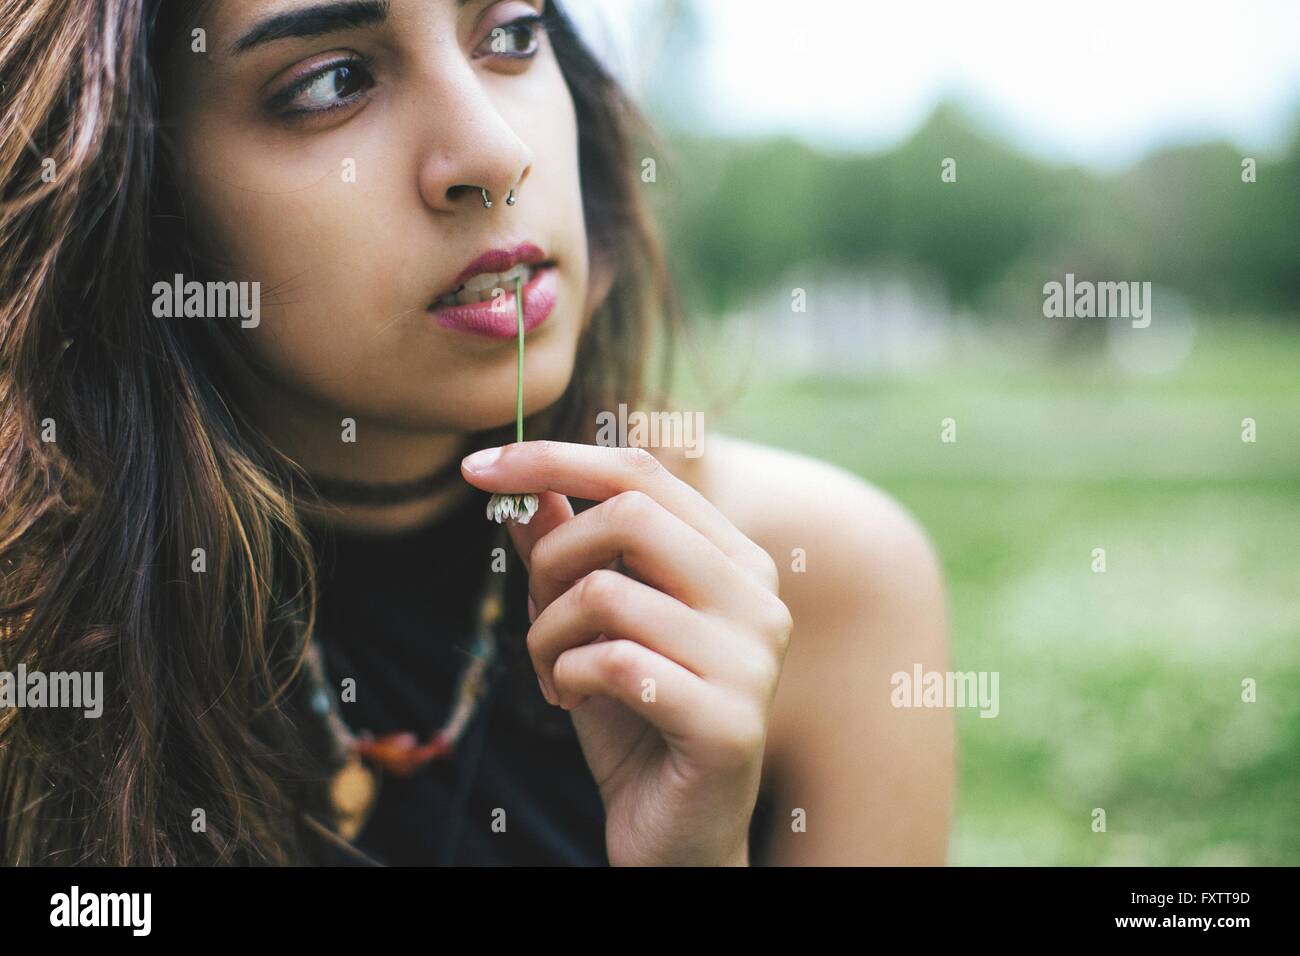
(119, 452)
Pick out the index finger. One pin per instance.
(597, 472)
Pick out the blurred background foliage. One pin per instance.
(1182, 218)
(1120, 690)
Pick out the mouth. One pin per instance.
(486, 286)
(493, 272)
(494, 311)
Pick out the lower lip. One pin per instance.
(499, 318)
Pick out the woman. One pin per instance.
(247, 507)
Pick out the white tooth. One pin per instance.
(493, 280)
(484, 280)
(523, 273)
(484, 286)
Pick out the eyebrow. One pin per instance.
(316, 21)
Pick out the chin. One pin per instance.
(543, 387)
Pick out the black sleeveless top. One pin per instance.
(397, 613)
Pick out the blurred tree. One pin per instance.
(742, 214)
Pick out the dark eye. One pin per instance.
(516, 39)
(336, 86)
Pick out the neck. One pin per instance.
(388, 519)
(379, 455)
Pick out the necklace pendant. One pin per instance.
(352, 793)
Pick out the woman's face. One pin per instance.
(334, 152)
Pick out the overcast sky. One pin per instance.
(1099, 82)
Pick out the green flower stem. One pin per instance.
(520, 507)
(519, 378)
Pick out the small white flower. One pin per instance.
(520, 507)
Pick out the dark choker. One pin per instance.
(345, 491)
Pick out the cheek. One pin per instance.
(557, 140)
(321, 270)
(549, 125)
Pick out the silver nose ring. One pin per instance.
(487, 203)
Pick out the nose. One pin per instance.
(471, 147)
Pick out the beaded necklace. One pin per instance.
(359, 760)
(353, 786)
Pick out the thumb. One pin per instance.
(553, 509)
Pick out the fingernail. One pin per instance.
(542, 687)
(482, 460)
(532, 609)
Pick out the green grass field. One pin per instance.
(1119, 690)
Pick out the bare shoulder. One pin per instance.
(825, 527)
(791, 502)
(864, 587)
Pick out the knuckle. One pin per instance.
(639, 460)
(779, 623)
(619, 662)
(630, 507)
(767, 571)
(599, 593)
(741, 740)
(762, 669)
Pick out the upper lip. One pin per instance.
(496, 260)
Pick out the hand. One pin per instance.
(656, 623)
